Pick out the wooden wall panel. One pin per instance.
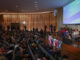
(32, 20)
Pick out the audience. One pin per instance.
(14, 44)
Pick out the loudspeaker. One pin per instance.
(55, 12)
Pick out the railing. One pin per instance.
(31, 53)
(45, 52)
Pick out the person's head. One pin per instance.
(76, 29)
(17, 49)
(65, 57)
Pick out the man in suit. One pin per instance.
(54, 28)
(45, 27)
(51, 28)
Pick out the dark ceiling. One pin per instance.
(31, 5)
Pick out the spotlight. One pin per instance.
(24, 22)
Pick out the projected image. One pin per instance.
(71, 13)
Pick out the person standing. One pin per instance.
(45, 28)
(54, 28)
(51, 28)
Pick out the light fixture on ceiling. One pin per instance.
(17, 6)
(36, 4)
(6, 10)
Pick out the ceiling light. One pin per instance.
(35, 6)
(6, 10)
(35, 2)
(17, 6)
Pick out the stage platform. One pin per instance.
(72, 52)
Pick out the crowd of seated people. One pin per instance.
(14, 45)
(39, 55)
(50, 49)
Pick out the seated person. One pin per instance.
(65, 57)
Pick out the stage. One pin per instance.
(72, 52)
